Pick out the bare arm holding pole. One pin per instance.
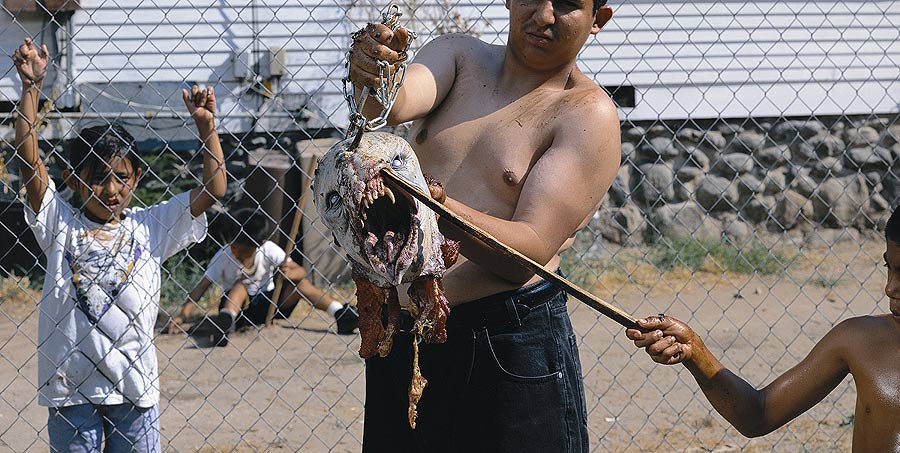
(603, 307)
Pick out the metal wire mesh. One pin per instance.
(760, 162)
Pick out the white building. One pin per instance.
(673, 60)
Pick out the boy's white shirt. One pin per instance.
(95, 343)
(225, 269)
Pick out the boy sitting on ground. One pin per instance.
(867, 347)
(245, 269)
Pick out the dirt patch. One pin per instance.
(300, 387)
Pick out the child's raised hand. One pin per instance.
(31, 62)
(201, 103)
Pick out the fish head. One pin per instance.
(389, 235)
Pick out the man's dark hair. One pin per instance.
(96, 146)
(892, 229)
(249, 227)
(598, 4)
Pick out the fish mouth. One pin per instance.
(389, 232)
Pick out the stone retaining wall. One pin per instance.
(739, 179)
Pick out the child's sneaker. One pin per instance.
(213, 331)
(347, 319)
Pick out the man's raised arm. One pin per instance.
(428, 79)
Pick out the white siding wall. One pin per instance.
(695, 59)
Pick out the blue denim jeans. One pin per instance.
(507, 380)
(84, 427)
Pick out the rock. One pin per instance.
(729, 129)
(624, 225)
(738, 232)
(634, 134)
(652, 184)
(774, 182)
(620, 190)
(873, 178)
(712, 144)
(791, 209)
(826, 237)
(891, 136)
(628, 153)
(877, 204)
(730, 165)
(748, 186)
(803, 153)
(827, 145)
(827, 167)
(685, 219)
(756, 210)
(659, 130)
(656, 149)
(773, 156)
(839, 202)
(689, 136)
(803, 184)
(865, 158)
(861, 136)
(746, 142)
(891, 189)
(686, 180)
(692, 157)
(838, 128)
(879, 124)
(258, 142)
(688, 174)
(788, 131)
(715, 193)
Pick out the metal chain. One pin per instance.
(391, 79)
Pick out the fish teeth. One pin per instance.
(390, 194)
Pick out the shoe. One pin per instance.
(347, 319)
(212, 331)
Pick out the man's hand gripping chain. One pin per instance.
(391, 79)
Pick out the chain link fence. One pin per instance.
(760, 162)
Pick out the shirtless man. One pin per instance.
(867, 347)
(526, 147)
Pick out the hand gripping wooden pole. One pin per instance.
(289, 246)
(600, 305)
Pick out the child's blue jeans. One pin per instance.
(123, 427)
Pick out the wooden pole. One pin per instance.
(601, 306)
(289, 246)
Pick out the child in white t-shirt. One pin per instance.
(97, 368)
(245, 269)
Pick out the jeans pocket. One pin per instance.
(522, 359)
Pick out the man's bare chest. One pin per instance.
(481, 151)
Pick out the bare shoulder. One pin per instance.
(584, 97)
(863, 334)
(455, 45)
(588, 118)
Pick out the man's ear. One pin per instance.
(604, 14)
(70, 179)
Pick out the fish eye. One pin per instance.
(397, 161)
(332, 200)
